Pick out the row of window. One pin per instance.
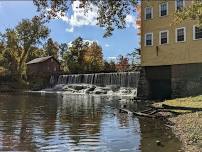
(180, 36)
(163, 9)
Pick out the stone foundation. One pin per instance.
(186, 80)
(177, 80)
(143, 86)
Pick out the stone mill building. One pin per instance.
(171, 53)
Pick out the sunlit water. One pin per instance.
(78, 123)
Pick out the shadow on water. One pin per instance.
(78, 123)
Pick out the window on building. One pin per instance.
(164, 37)
(180, 34)
(179, 4)
(149, 39)
(164, 9)
(148, 13)
(197, 31)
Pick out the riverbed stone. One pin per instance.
(90, 89)
(125, 91)
(99, 91)
(113, 87)
(59, 87)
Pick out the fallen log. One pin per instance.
(136, 113)
(180, 108)
(125, 111)
(147, 110)
(162, 110)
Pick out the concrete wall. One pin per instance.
(172, 53)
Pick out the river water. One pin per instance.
(81, 123)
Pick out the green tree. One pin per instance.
(36, 53)
(51, 48)
(111, 13)
(63, 48)
(73, 58)
(109, 66)
(82, 57)
(30, 34)
(11, 51)
(194, 12)
(93, 58)
(20, 45)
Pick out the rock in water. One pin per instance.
(89, 90)
(99, 91)
(158, 142)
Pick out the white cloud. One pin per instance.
(1, 5)
(80, 18)
(130, 20)
(64, 18)
(107, 45)
(111, 58)
(71, 29)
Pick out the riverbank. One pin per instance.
(14, 86)
(187, 125)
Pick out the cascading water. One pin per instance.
(122, 79)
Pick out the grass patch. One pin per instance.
(2, 71)
(193, 102)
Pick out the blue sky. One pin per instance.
(73, 25)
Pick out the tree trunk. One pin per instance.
(21, 62)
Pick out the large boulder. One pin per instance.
(90, 89)
(100, 91)
(59, 87)
(125, 91)
(114, 88)
(77, 87)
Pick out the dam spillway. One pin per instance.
(122, 79)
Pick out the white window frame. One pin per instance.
(160, 9)
(194, 33)
(185, 37)
(145, 40)
(176, 4)
(167, 37)
(146, 14)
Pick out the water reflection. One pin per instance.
(75, 123)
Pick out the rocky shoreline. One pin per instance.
(182, 125)
(186, 125)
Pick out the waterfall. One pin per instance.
(122, 79)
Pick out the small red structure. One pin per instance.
(43, 67)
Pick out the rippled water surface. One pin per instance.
(78, 123)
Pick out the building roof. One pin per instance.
(39, 60)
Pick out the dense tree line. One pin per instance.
(30, 39)
(82, 57)
(20, 44)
